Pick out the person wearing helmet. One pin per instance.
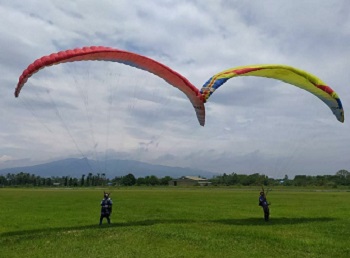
(265, 205)
(106, 208)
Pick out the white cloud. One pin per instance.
(5, 158)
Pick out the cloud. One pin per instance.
(101, 109)
(5, 158)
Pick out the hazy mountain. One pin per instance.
(112, 168)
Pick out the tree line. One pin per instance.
(90, 179)
(341, 178)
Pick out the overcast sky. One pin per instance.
(104, 110)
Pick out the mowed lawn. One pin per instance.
(174, 222)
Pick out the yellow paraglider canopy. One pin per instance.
(288, 74)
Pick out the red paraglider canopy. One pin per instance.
(100, 53)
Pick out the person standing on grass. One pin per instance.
(265, 205)
(106, 208)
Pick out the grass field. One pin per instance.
(174, 222)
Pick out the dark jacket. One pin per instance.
(106, 206)
(262, 201)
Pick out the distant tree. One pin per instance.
(232, 179)
(89, 179)
(321, 180)
(3, 180)
(82, 181)
(97, 179)
(342, 177)
(140, 181)
(128, 180)
(165, 180)
(75, 182)
(103, 178)
(300, 180)
(48, 181)
(153, 180)
(343, 173)
(117, 180)
(246, 180)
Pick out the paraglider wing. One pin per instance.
(128, 58)
(299, 78)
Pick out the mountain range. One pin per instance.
(74, 167)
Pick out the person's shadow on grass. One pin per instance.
(272, 221)
(150, 222)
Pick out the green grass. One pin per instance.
(174, 222)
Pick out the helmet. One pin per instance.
(105, 195)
